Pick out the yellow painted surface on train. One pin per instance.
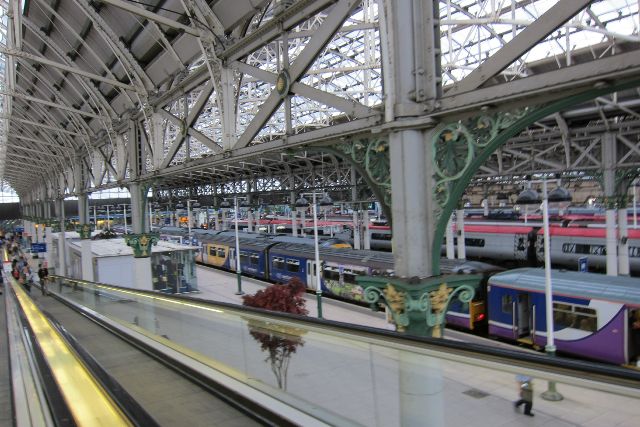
(88, 402)
(341, 245)
(216, 254)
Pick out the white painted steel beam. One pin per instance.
(561, 12)
(351, 108)
(194, 112)
(42, 125)
(141, 11)
(303, 61)
(73, 70)
(50, 104)
(550, 85)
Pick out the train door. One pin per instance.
(634, 337)
(523, 310)
(311, 274)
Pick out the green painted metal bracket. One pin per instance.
(418, 305)
(461, 148)
(623, 178)
(370, 157)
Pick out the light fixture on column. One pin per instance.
(560, 196)
(325, 202)
(302, 204)
(527, 201)
(528, 197)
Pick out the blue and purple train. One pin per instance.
(594, 316)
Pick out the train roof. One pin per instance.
(246, 242)
(619, 289)
(376, 259)
(381, 260)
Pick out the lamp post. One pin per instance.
(238, 268)
(325, 202)
(124, 213)
(108, 219)
(527, 197)
(635, 208)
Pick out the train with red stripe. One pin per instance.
(522, 244)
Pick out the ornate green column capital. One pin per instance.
(85, 231)
(419, 305)
(141, 243)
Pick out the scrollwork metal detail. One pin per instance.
(372, 155)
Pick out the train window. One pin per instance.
(349, 276)
(244, 257)
(380, 236)
(278, 263)
(574, 316)
(479, 243)
(255, 258)
(293, 265)
(212, 250)
(634, 251)
(329, 273)
(221, 253)
(507, 304)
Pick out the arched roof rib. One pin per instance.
(90, 65)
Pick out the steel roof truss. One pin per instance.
(194, 112)
(303, 61)
(351, 108)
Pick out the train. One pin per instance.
(592, 313)
(522, 244)
(594, 316)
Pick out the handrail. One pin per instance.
(87, 401)
(598, 376)
(29, 401)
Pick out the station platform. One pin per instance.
(486, 396)
(338, 374)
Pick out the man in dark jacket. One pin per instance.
(43, 274)
(526, 396)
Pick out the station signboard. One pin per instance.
(38, 247)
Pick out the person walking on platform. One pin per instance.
(43, 275)
(526, 394)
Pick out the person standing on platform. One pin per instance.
(526, 394)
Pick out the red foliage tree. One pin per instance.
(284, 298)
(280, 346)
